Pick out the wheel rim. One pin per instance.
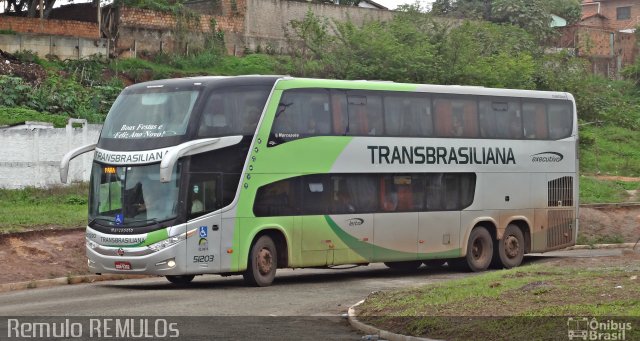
(264, 261)
(477, 249)
(511, 246)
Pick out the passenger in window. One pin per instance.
(196, 204)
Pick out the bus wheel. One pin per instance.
(510, 250)
(180, 280)
(479, 250)
(404, 266)
(263, 262)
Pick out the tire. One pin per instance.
(263, 262)
(435, 263)
(411, 265)
(510, 249)
(180, 280)
(479, 251)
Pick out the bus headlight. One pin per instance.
(161, 245)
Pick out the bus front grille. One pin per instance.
(560, 232)
(560, 192)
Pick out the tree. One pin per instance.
(31, 7)
(571, 10)
(532, 15)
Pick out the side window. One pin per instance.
(233, 111)
(402, 193)
(408, 115)
(560, 120)
(364, 114)
(302, 113)
(205, 194)
(339, 111)
(354, 193)
(456, 117)
(534, 118)
(449, 192)
(316, 194)
(320, 194)
(444, 118)
(277, 199)
(500, 119)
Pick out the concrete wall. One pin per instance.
(266, 20)
(141, 30)
(61, 46)
(32, 157)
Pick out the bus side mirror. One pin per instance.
(64, 164)
(190, 148)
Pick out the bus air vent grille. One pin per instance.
(561, 223)
(560, 192)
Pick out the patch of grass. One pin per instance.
(609, 150)
(506, 304)
(9, 116)
(615, 239)
(64, 207)
(605, 191)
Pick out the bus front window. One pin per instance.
(150, 113)
(132, 196)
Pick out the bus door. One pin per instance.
(445, 195)
(396, 224)
(205, 193)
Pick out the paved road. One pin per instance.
(311, 299)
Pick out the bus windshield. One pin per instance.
(132, 196)
(150, 113)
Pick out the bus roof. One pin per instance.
(293, 83)
(286, 82)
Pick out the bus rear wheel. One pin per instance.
(404, 266)
(263, 262)
(180, 280)
(479, 251)
(510, 250)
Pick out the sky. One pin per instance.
(391, 4)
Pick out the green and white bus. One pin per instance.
(244, 175)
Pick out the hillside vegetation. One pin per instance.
(413, 47)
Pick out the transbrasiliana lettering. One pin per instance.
(441, 155)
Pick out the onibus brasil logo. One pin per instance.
(584, 328)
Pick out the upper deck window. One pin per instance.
(233, 111)
(150, 113)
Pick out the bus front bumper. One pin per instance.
(137, 261)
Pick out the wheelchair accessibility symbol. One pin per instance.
(203, 232)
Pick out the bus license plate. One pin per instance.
(123, 266)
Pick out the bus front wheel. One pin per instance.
(180, 280)
(263, 262)
(479, 251)
(510, 250)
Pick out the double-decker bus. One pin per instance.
(244, 175)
